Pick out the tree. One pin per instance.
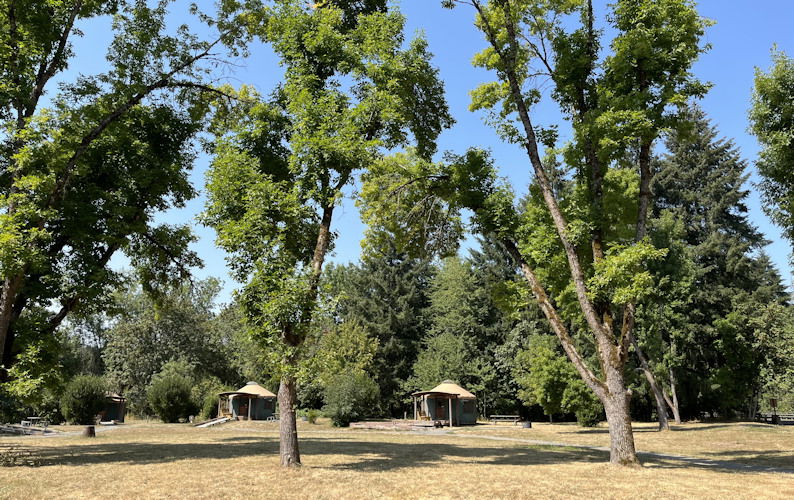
(714, 279)
(547, 378)
(280, 166)
(618, 106)
(146, 335)
(83, 178)
(386, 295)
(83, 399)
(772, 122)
(349, 397)
(169, 395)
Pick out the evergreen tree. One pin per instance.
(709, 342)
(387, 295)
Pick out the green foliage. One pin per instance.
(772, 122)
(83, 399)
(280, 166)
(146, 335)
(86, 175)
(548, 379)
(386, 295)
(350, 397)
(170, 393)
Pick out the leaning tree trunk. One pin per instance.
(658, 394)
(288, 424)
(674, 402)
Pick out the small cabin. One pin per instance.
(447, 403)
(250, 402)
(115, 408)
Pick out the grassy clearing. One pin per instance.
(241, 460)
(748, 443)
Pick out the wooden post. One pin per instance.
(450, 412)
(415, 413)
(220, 398)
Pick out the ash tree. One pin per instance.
(352, 89)
(586, 190)
(82, 174)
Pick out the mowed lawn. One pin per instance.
(240, 460)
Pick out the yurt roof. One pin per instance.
(252, 389)
(450, 388)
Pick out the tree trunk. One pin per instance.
(8, 297)
(674, 405)
(288, 424)
(616, 407)
(89, 431)
(658, 394)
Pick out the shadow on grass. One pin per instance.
(371, 455)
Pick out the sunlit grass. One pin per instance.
(152, 460)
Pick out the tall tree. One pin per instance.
(712, 271)
(618, 105)
(387, 295)
(81, 180)
(280, 166)
(772, 121)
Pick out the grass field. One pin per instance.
(241, 460)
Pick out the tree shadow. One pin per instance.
(365, 455)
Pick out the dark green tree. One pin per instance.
(386, 294)
(83, 399)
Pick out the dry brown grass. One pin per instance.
(748, 443)
(241, 460)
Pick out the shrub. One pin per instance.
(312, 415)
(350, 397)
(83, 398)
(169, 397)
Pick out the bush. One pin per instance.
(312, 415)
(83, 399)
(169, 396)
(350, 397)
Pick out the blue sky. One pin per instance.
(741, 40)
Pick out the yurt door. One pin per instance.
(243, 413)
(441, 409)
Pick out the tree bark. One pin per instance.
(288, 424)
(616, 407)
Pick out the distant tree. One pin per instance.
(350, 397)
(714, 278)
(444, 357)
(547, 378)
(83, 399)
(386, 295)
(772, 122)
(170, 393)
(147, 335)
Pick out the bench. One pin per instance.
(515, 419)
(780, 418)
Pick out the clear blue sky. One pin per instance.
(741, 39)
